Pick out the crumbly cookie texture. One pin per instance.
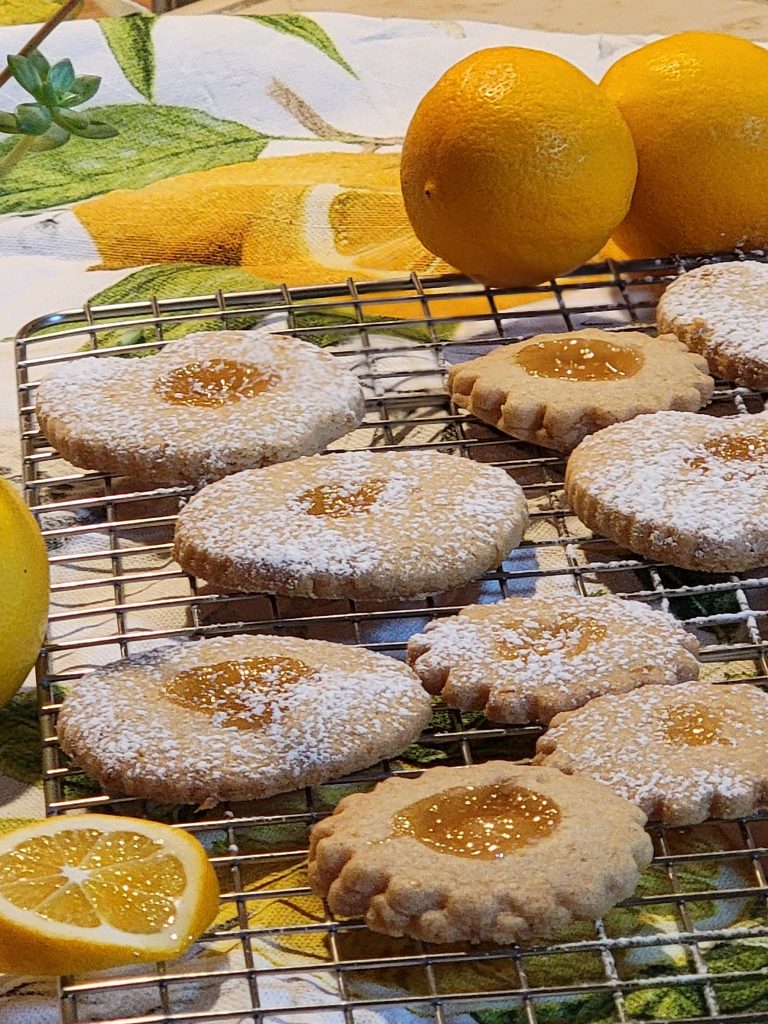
(497, 852)
(682, 754)
(679, 488)
(211, 404)
(239, 717)
(367, 525)
(526, 660)
(555, 389)
(721, 311)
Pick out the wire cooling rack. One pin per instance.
(693, 942)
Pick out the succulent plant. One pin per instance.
(50, 120)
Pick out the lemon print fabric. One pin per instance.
(304, 219)
(24, 12)
(311, 218)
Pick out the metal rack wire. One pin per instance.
(116, 591)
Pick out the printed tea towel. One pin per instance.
(254, 151)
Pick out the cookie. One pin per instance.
(239, 717)
(366, 525)
(679, 488)
(682, 753)
(555, 389)
(497, 852)
(721, 311)
(204, 407)
(525, 660)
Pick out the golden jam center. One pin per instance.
(579, 359)
(692, 726)
(332, 500)
(242, 693)
(212, 383)
(571, 634)
(744, 448)
(487, 822)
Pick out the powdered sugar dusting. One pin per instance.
(623, 741)
(352, 708)
(110, 402)
(522, 660)
(435, 514)
(726, 305)
(657, 470)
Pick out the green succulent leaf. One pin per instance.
(94, 129)
(48, 95)
(130, 41)
(33, 118)
(38, 62)
(53, 138)
(61, 77)
(154, 142)
(26, 74)
(82, 89)
(70, 119)
(8, 123)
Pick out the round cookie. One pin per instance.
(679, 488)
(206, 406)
(555, 389)
(682, 754)
(367, 525)
(239, 717)
(496, 852)
(525, 660)
(721, 311)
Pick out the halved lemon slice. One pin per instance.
(93, 891)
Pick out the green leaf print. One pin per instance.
(592, 1009)
(666, 1003)
(748, 996)
(334, 321)
(130, 40)
(306, 29)
(170, 281)
(153, 142)
(20, 756)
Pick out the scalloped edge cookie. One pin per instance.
(470, 659)
(559, 413)
(720, 310)
(402, 886)
(652, 487)
(622, 742)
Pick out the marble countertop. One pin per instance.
(747, 18)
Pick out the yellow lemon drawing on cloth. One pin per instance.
(296, 218)
(516, 168)
(23, 591)
(90, 891)
(697, 106)
(24, 12)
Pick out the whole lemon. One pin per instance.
(697, 106)
(23, 591)
(516, 167)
